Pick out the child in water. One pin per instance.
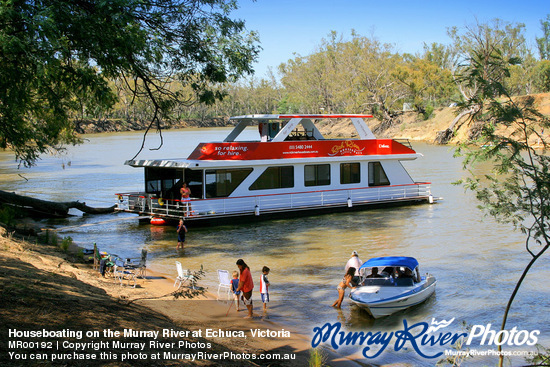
(344, 283)
(264, 288)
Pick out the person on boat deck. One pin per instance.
(186, 196)
(246, 285)
(374, 273)
(344, 283)
(182, 230)
(355, 262)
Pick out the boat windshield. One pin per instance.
(388, 276)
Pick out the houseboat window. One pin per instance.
(317, 175)
(350, 173)
(274, 178)
(160, 181)
(377, 176)
(222, 182)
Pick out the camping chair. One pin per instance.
(102, 261)
(225, 284)
(141, 267)
(121, 272)
(183, 275)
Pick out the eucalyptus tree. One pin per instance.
(312, 82)
(543, 42)
(517, 190)
(57, 56)
(482, 43)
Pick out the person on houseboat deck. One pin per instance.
(185, 192)
(246, 285)
(355, 262)
(345, 283)
(182, 230)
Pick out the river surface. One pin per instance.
(476, 261)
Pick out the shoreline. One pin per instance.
(43, 289)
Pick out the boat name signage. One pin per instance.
(420, 337)
(278, 150)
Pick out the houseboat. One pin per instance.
(291, 169)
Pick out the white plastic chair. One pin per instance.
(122, 273)
(225, 285)
(183, 275)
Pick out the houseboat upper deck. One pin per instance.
(291, 168)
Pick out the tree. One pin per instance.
(482, 48)
(543, 42)
(517, 191)
(56, 58)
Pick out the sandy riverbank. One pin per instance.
(43, 288)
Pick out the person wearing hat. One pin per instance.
(245, 285)
(354, 262)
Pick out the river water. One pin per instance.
(476, 261)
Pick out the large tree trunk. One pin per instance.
(444, 136)
(49, 208)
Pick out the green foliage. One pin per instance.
(517, 190)
(428, 112)
(57, 59)
(543, 42)
(541, 358)
(52, 238)
(80, 254)
(7, 215)
(542, 80)
(65, 243)
(317, 358)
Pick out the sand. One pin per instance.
(44, 288)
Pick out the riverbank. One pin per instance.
(408, 125)
(43, 289)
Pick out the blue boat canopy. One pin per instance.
(409, 262)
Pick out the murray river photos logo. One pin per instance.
(419, 337)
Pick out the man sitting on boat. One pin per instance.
(374, 273)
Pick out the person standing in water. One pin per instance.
(182, 230)
(246, 285)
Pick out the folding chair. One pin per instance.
(183, 275)
(141, 267)
(224, 287)
(122, 273)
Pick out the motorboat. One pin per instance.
(391, 284)
(290, 169)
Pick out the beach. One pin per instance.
(55, 308)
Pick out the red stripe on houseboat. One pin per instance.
(297, 149)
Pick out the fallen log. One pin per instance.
(49, 208)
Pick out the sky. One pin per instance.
(290, 27)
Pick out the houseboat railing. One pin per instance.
(203, 208)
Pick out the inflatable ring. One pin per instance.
(161, 203)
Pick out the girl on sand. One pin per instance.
(345, 283)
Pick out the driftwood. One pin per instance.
(49, 208)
